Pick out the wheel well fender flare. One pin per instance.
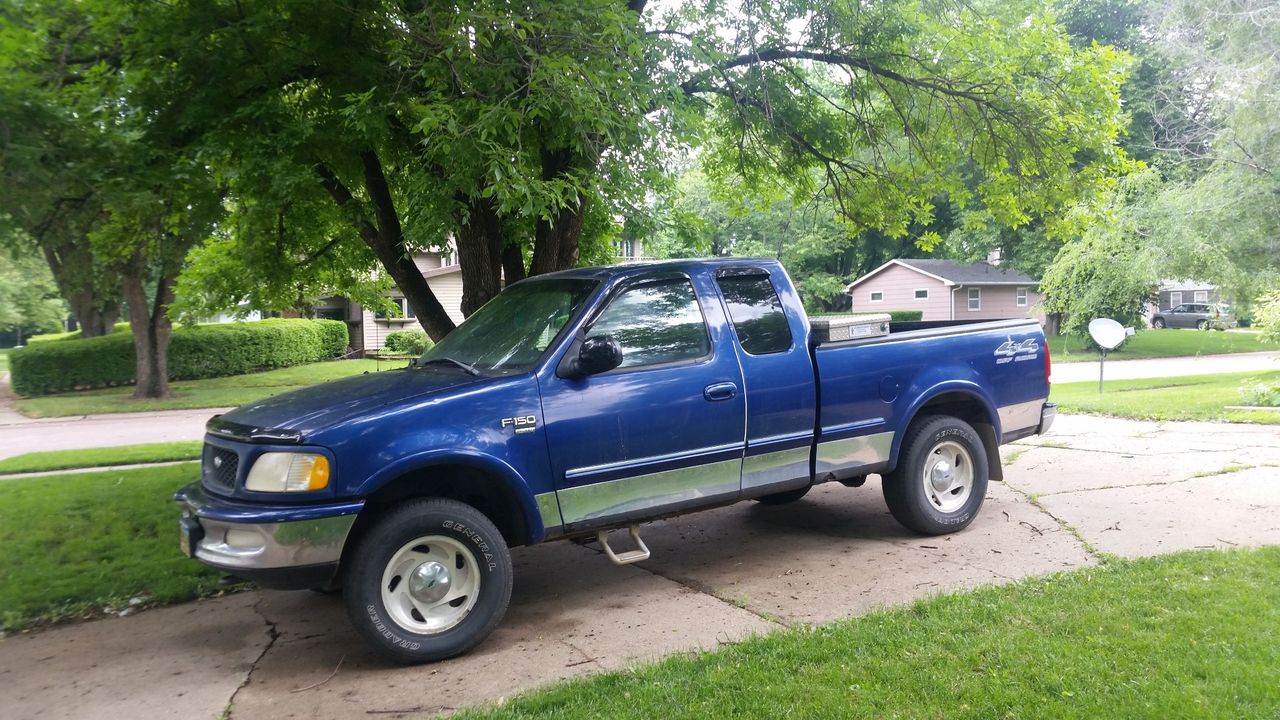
(954, 390)
(511, 481)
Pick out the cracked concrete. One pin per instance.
(1111, 486)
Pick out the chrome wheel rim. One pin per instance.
(430, 584)
(948, 476)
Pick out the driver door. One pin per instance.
(663, 431)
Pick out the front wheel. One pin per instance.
(1202, 325)
(1158, 323)
(941, 478)
(430, 580)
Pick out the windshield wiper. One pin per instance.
(468, 369)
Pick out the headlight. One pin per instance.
(288, 472)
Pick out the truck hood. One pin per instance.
(320, 406)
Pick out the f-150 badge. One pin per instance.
(522, 423)
(1010, 351)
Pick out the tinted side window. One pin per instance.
(756, 313)
(655, 322)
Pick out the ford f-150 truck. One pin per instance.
(593, 399)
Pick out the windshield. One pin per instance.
(512, 330)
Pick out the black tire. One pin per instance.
(453, 524)
(784, 497)
(905, 490)
(1202, 324)
(1158, 323)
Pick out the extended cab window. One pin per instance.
(655, 322)
(756, 312)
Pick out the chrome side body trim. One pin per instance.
(652, 491)
(836, 455)
(549, 509)
(1020, 415)
(254, 546)
(639, 463)
(782, 470)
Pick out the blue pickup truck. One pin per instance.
(590, 400)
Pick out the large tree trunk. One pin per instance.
(480, 245)
(556, 240)
(80, 282)
(386, 239)
(151, 329)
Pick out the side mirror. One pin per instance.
(598, 354)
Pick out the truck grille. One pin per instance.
(220, 467)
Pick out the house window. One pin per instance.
(877, 296)
(1022, 297)
(975, 298)
(1202, 296)
(1175, 299)
(406, 310)
(922, 294)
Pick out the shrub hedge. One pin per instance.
(202, 351)
(407, 342)
(906, 315)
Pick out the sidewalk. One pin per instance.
(1125, 487)
(1166, 367)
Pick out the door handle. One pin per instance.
(720, 391)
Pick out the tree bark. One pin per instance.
(386, 239)
(78, 280)
(556, 240)
(513, 263)
(480, 253)
(151, 329)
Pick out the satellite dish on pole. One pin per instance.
(1108, 334)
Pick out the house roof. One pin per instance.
(952, 273)
(1176, 285)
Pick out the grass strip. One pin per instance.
(1192, 397)
(1193, 635)
(1162, 343)
(208, 393)
(78, 545)
(101, 457)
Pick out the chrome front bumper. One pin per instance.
(278, 551)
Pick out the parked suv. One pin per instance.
(1200, 316)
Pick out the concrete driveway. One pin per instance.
(1101, 486)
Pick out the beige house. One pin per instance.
(368, 331)
(948, 290)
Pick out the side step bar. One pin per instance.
(626, 558)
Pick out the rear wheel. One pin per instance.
(1158, 323)
(941, 478)
(430, 580)
(1202, 324)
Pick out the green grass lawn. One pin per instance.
(1163, 343)
(99, 457)
(212, 392)
(4, 359)
(76, 544)
(1194, 635)
(1193, 397)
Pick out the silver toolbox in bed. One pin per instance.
(837, 328)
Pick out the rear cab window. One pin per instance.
(755, 310)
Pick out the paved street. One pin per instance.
(1064, 372)
(1130, 488)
